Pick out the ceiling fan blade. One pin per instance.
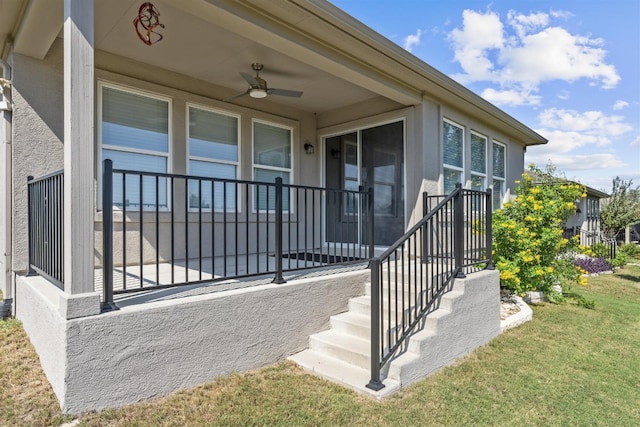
(285, 92)
(237, 96)
(250, 79)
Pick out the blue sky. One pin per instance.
(570, 70)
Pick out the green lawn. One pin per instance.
(569, 366)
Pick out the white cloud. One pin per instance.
(524, 24)
(619, 105)
(412, 40)
(635, 143)
(555, 54)
(564, 95)
(510, 97)
(563, 142)
(564, 14)
(588, 133)
(590, 122)
(479, 33)
(578, 162)
(526, 53)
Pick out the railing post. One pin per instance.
(425, 203)
(30, 224)
(489, 229)
(278, 213)
(107, 236)
(425, 237)
(458, 231)
(375, 383)
(370, 214)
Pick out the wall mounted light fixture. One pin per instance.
(309, 149)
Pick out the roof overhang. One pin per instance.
(325, 51)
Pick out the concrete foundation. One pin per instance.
(152, 349)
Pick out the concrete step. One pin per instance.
(409, 294)
(347, 348)
(346, 374)
(351, 323)
(356, 324)
(341, 354)
(362, 305)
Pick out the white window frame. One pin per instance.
(101, 146)
(212, 159)
(255, 165)
(448, 166)
(499, 178)
(483, 175)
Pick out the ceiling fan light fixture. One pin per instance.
(257, 92)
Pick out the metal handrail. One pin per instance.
(412, 285)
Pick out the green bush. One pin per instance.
(630, 249)
(600, 250)
(619, 260)
(527, 234)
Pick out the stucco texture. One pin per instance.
(153, 349)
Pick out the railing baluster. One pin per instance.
(107, 236)
(224, 229)
(246, 228)
(186, 230)
(140, 231)
(237, 237)
(124, 231)
(157, 230)
(173, 230)
(200, 229)
(488, 229)
(278, 231)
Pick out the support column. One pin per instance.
(6, 190)
(78, 158)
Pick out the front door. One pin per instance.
(371, 157)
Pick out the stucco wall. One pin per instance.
(471, 319)
(37, 308)
(153, 349)
(37, 133)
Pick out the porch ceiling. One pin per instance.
(205, 40)
(196, 46)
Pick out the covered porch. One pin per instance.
(309, 141)
(204, 233)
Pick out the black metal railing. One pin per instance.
(452, 238)
(45, 209)
(166, 230)
(590, 238)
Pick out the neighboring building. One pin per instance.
(81, 87)
(586, 220)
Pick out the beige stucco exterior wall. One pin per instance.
(38, 130)
(139, 351)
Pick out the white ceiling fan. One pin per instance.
(258, 86)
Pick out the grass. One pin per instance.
(569, 366)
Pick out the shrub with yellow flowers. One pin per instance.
(527, 233)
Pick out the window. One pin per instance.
(271, 159)
(134, 134)
(478, 161)
(213, 153)
(499, 173)
(453, 155)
